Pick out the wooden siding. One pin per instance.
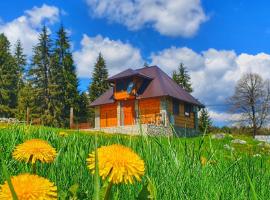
(149, 111)
(129, 112)
(181, 120)
(108, 115)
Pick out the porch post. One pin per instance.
(163, 111)
(196, 118)
(97, 117)
(137, 115)
(118, 113)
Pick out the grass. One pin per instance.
(172, 164)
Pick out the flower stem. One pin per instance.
(34, 168)
(6, 175)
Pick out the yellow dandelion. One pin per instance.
(63, 134)
(203, 160)
(117, 163)
(33, 150)
(28, 187)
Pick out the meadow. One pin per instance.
(179, 168)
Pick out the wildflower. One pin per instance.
(63, 134)
(29, 187)
(117, 163)
(203, 160)
(33, 150)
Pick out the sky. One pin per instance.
(218, 41)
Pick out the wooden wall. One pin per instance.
(149, 111)
(181, 120)
(108, 115)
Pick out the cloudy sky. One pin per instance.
(218, 41)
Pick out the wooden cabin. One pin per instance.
(146, 96)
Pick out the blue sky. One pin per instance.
(218, 41)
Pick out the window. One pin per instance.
(188, 109)
(122, 85)
(175, 107)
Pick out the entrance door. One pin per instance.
(129, 112)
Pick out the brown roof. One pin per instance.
(160, 85)
(128, 73)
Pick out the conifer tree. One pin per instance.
(8, 79)
(65, 83)
(205, 121)
(182, 78)
(99, 79)
(26, 99)
(40, 73)
(20, 60)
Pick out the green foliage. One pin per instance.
(84, 110)
(20, 60)
(148, 191)
(65, 79)
(205, 122)
(53, 79)
(182, 78)
(26, 100)
(8, 79)
(99, 82)
(40, 73)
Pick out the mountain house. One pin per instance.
(146, 100)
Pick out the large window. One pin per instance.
(122, 85)
(175, 107)
(188, 109)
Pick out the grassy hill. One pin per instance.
(180, 168)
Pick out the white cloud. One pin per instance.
(168, 17)
(118, 55)
(224, 117)
(214, 73)
(26, 27)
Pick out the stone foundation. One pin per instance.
(149, 129)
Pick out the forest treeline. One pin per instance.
(46, 83)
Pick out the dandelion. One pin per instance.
(203, 160)
(33, 150)
(117, 163)
(63, 134)
(29, 187)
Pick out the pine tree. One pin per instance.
(8, 79)
(99, 79)
(182, 78)
(205, 121)
(65, 83)
(20, 60)
(40, 73)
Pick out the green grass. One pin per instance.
(172, 164)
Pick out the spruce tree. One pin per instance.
(205, 121)
(99, 79)
(40, 73)
(24, 90)
(26, 99)
(64, 79)
(182, 78)
(20, 60)
(8, 79)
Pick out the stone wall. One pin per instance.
(149, 129)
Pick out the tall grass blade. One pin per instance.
(96, 177)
